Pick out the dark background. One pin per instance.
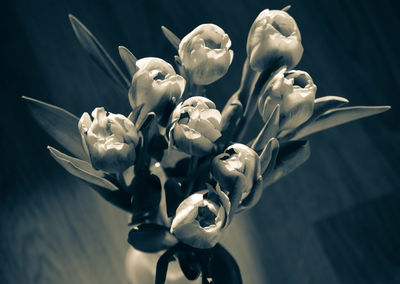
(334, 220)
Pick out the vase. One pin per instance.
(141, 269)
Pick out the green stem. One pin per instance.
(192, 173)
(256, 86)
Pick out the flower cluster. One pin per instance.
(178, 164)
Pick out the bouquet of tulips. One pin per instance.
(182, 168)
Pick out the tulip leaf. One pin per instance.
(291, 155)
(269, 130)
(232, 112)
(129, 60)
(172, 38)
(118, 198)
(151, 238)
(59, 124)
(146, 195)
(162, 263)
(98, 54)
(252, 199)
(81, 169)
(156, 147)
(134, 115)
(321, 105)
(223, 267)
(94, 178)
(216, 192)
(324, 104)
(338, 116)
(173, 195)
(146, 122)
(189, 263)
(268, 156)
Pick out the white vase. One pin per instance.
(141, 269)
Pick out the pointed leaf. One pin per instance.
(338, 116)
(321, 105)
(172, 38)
(157, 146)
(81, 169)
(269, 130)
(268, 155)
(291, 155)
(98, 54)
(173, 195)
(94, 178)
(59, 124)
(134, 115)
(223, 267)
(162, 264)
(324, 104)
(129, 60)
(151, 238)
(146, 195)
(146, 122)
(190, 266)
(252, 199)
(232, 112)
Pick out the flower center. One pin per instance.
(205, 216)
(159, 75)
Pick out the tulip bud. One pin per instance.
(237, 171)
(196, 125)
(274, 40)
(110, 140)
(199, 220)
(205, 54)
(294, 92)
(156, 86)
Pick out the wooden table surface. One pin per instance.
(334, 220)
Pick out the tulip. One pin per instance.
(274, 40)
(156, 86)
(109, 140)
(196, 125)
(237, 170)
(205, 54)
(294, 92)
(199, 220)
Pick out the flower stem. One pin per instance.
(192, 173)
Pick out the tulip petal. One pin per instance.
(59, 124)
(129, 60)
(205, 128)
(213, 116)
(98, 54)
(321, 105)
(338, 116)
(191, 235)
(191, 141)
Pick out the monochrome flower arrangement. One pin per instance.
(182, 168)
